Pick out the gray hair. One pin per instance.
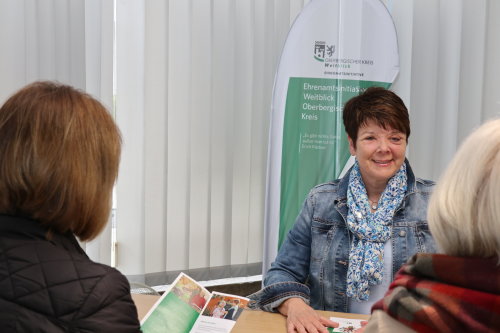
(464, 210)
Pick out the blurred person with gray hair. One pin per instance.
(459, 289)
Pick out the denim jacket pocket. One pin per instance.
(321, 234)
(424, 238)
(409, 238)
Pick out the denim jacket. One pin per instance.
(313, 260)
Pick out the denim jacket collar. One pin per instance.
(313, 260)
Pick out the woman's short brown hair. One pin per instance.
(60, 150)
(377, 104)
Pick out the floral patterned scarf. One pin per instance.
(440, 293)
(371, 230)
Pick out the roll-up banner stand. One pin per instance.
(334, 50)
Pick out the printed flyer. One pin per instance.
(188, 307)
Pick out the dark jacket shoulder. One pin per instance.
(48, 284)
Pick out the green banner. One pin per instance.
(315, 147)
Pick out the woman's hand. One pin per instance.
(302, 318)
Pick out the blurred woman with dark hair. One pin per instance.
(60, 151)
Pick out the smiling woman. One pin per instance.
(353, 234)
(377, 137)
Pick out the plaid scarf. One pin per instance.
(439, 293)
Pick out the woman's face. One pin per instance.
(380, 152)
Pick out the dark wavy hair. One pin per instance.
(380, 105)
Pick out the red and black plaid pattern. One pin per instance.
(440, 293)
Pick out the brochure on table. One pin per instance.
(188, 307)
(345, 325)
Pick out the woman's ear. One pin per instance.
(352, 147)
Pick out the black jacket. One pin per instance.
(52, 286)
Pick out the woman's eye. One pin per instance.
(370, 138)
(396, 139)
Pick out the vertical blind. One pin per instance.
(193, 99)
(455, 77)
(194, 82)
(67, 41)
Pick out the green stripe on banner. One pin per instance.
(315, 147)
